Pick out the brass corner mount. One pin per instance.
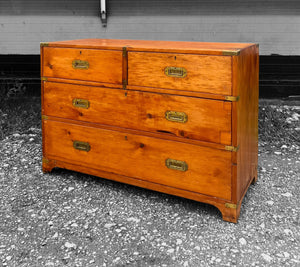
(231, 52)
(42, 44)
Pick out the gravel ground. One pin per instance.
(70, 219)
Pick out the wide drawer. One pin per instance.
(188, 117)
(198, 73)
(83, 64)
(180, 165)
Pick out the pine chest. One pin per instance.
(176, 117)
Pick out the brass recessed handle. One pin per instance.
(81, 103)
(176, 165)
(176, 72)
(176, 116)
(80, 64)
(83, 146)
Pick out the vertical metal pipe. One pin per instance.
(103, 15)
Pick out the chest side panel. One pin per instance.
(83, 64)
(193, 168)
(210, 74)
(246, 85)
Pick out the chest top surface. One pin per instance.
(201, 48)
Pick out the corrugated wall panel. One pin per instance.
(49, 7)
(150, 7)
(274, 24)
(204, 7)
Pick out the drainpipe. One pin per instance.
(103, 16)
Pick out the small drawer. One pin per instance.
(186, 117)
(103, 66)
(180, 165)
(198, 73)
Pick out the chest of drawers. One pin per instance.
(175, 117)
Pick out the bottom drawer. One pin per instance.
(186, 166)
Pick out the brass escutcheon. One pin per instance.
(176, 72)
(83, 146)
(81, 103)
(80, 64)
(176, 165)
(176, 116)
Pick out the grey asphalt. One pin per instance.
(66, 218)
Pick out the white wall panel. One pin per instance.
(274, 24)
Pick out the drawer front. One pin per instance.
(83, 64)
(190, 167)
(209, 74)
(189, 117)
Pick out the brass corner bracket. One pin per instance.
(45, 160)
(230, 205)
(232, 148)
(42, 44)
(124, 83)
(231, 52)
(44, 117)
(124, 49)
(232, 98)
(44, 79)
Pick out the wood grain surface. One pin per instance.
(210, 74)
(245, 118)
(141, 157)
(141, 111)
(104, 66)
(202, 48)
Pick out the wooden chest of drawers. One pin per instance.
(176, 117)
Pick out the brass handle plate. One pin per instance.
(176, 72)
(81, 103)
(176, 116)
(83, 146)
(80, 64)
(176, 165)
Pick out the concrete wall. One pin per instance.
(274, 24)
